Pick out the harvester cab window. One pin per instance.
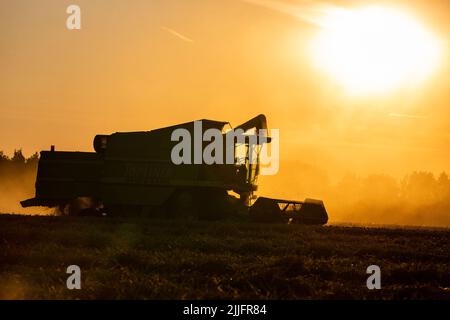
(248, 156)
(253, 165)
(240, 153)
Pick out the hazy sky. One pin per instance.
(139, 65)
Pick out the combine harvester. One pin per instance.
(132, 173)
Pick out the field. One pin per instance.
(156, 259)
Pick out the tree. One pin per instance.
(443, 185)
(3, 157)
(380, 187)
(33, 159)
(420, 187)
(18, 156)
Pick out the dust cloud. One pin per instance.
(17, 178)
(419, 198)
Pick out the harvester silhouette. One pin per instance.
(132, 173)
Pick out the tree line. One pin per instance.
(17, 171)
(18, 158)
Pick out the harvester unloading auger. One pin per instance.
(133, 173)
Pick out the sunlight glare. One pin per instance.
(374, 49)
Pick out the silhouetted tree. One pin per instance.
(420, 187)
(33, 159)
(18, 156)
(3, 157)
(11, 168)
(443, 185)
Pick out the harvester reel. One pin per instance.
(80, 206)
(310, 211)
(266, 210)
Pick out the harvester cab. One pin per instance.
(309, 211)
(247, 152)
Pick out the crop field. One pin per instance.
(163, 259)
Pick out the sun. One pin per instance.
(374, 49)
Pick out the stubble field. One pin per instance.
(162, 259)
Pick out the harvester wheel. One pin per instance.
(183, 205)
(214, 204)
(81, 206)
(60, 209)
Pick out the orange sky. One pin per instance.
(139, 65)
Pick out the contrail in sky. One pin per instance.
(305, 11)
(177, 34)
(404, 115)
